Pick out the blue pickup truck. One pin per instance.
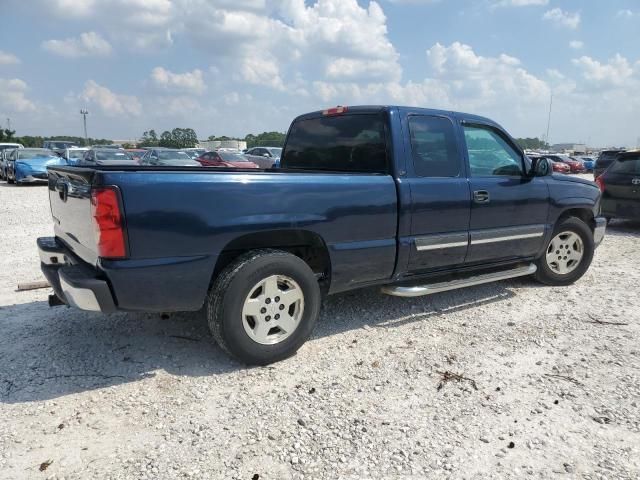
(415, 201)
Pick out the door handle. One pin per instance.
(481, 196)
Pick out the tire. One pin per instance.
(9, 179)
(574, 238)
(233, 294)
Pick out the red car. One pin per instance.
(575, 166)
(560, 167)
(225, 159)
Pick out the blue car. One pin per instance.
(588, 163)
(29, 165)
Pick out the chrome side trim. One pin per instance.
(420, 290)
(436, 242)
(495, 235)
(81, 298)
(506, 239)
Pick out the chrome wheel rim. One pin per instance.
(565, 252)
(273, 309)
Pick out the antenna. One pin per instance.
(549, 119)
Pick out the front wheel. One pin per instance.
(263, 306)
(568, 253)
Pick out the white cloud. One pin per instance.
(112, 104)
(576, 44)
(521, 3)
(625, 13)
(88, 44)
(189, 82)
(8, 58)
(562, 18)
(617, 72)
(13, 96)
(261, 71)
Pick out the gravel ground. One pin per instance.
(544, 389)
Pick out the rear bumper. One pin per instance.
(599, 230)
(74, 283)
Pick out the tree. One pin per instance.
(166, 140)
(149, 139)
(6, 135)
(532, 143)
(265, 139)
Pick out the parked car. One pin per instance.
(29, 165)
(58, 146)
(74, 155)
(136, 153)
(5, 148)
(259, 249)
(620, 186)
(575, 165)
(225, 159)
(106, 156)
(605, 158)
(264, 157)
(168, 157)
(195, 152)
(559, 167)
(588, 163)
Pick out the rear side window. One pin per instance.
(630, 166)
(344, 143)
(433, 147)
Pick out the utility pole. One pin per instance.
(84, 112)
(549, 119)
(8, 123)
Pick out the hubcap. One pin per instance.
(273, 309)
(565, 253)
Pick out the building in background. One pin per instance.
(215, 144)
(571, 148)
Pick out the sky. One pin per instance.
(232, 67)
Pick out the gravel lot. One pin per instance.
(547, 390)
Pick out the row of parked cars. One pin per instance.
(566, 163)
(27, 165)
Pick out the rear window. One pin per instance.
(605, 158)
(345, 143)
(629, 166)
(114, 155)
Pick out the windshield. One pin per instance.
(107, 155)
(276, 152)
(76, 153)
(34, 153)
(172, 155)
(232, 157)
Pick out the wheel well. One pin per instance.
(308, 246)
(584, 214)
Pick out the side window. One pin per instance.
(338, 143)
(433, 147)
(490, 154)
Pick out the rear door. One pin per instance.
(508, 209)
(621, 197)
(440, 199)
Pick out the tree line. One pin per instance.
(30, 141)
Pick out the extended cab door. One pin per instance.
(440, 199)
(508, 209)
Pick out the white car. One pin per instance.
(5, 148)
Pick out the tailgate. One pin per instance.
(70, 198)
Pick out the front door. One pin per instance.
(440, 200)
(508, 208)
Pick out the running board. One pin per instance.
(420, 290)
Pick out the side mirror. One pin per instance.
(540, 167)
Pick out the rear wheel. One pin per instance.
(263, 306)
(568, 253)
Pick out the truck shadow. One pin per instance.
(49, 353)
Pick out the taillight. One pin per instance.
(108, 222)
(600, 183)
(335, 111)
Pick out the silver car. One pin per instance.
(264, 157)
